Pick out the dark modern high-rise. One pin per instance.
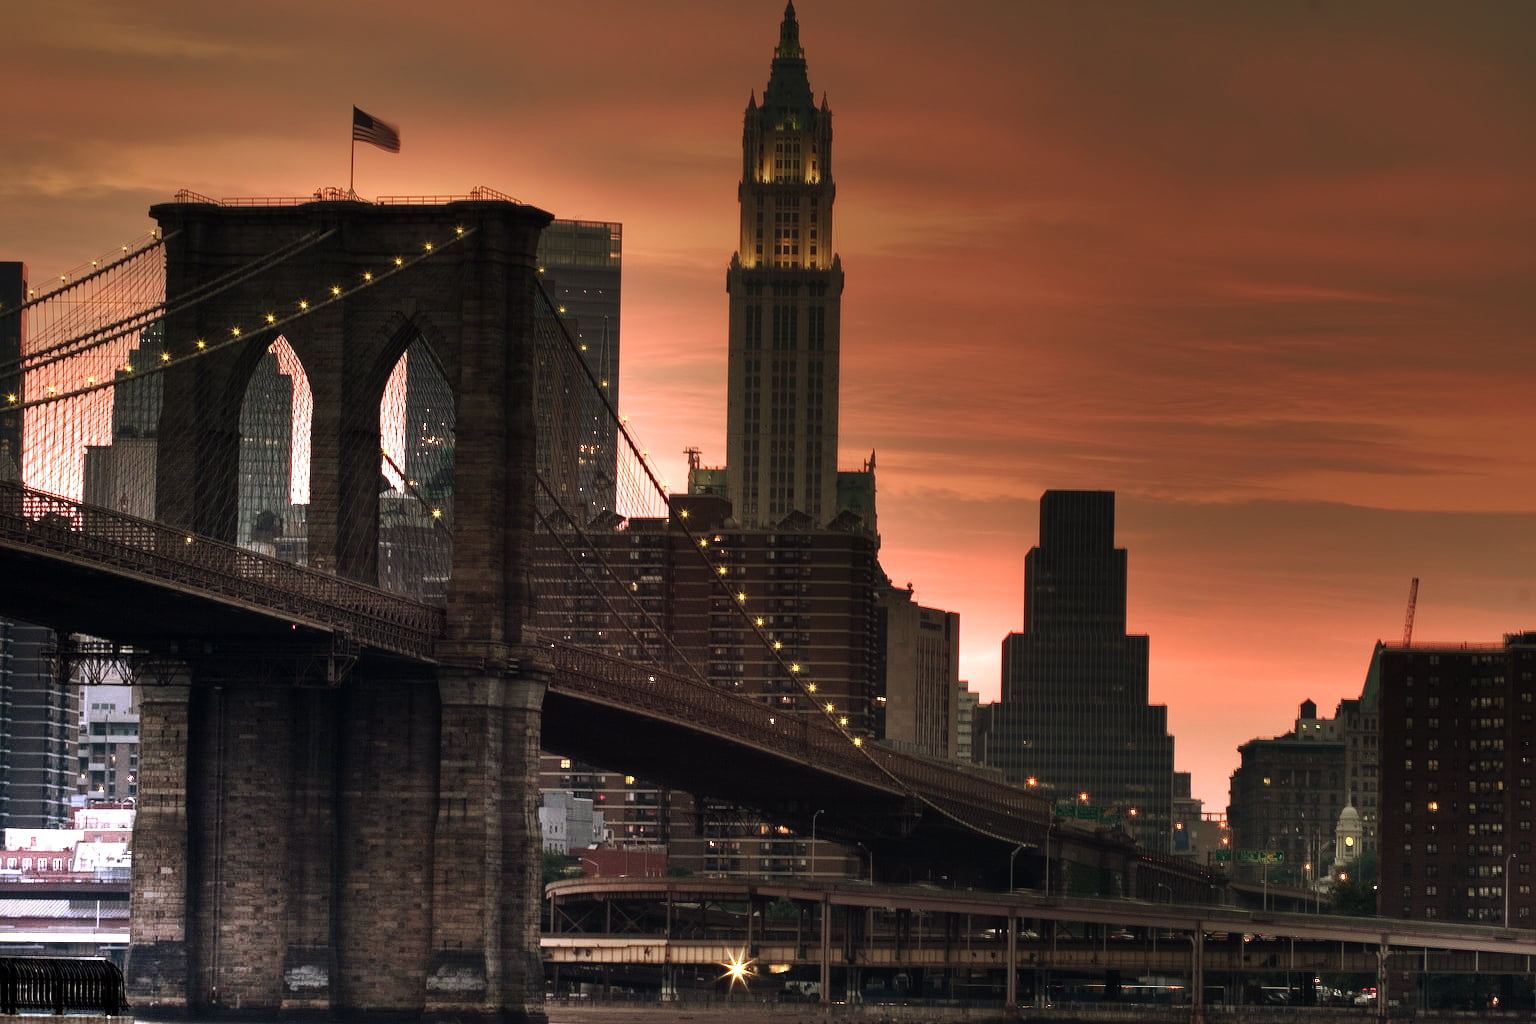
(580, 262)
(785, 286)
(1074, 715)
(37, 713)
(13, 292)
(121, 475)
(266, 447)
(38, 731)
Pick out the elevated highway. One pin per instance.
(864, 931)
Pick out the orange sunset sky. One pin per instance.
(1266, 268)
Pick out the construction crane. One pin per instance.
(1413, 600)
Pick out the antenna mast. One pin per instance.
(1413, 600)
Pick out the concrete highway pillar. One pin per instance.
(1383, 953)
(824, 999)
(1011, 986)
(1197, 975)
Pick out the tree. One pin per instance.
(1354, 891)
(556, 866)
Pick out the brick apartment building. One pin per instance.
(1458, 760)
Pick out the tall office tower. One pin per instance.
(108, 760)
(1074, 714)
(785, 287)
(1286, 796)
(36, 723)
(921, 662)
(266, 455)
(136, 398)
(580, 263)
(13, 291)
(1187, 811)
(1455, 835)
(965, 723)
(121, 475)
(38, 731)
(812, 591)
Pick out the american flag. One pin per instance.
(366, 128)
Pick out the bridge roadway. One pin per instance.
(153, 588)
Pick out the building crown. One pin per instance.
(789, 89)
(789, 36)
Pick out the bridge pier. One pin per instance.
(239, 843)
(371, 851)
(487, 885)
(386, 802)
(309, 965)
(157, 957)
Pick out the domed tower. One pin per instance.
(1348, 836)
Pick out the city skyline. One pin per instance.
(1263, 271)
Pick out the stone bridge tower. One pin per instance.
(367, 847)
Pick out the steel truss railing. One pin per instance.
(89, 534)
(806, 739)
(117, 542)
(622, 684)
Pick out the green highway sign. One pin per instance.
(1086, 812)
(1252, 856)
(1261, 856)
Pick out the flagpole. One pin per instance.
(352, 171)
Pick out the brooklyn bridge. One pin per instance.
(341, 718)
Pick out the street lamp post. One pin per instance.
(1011, 989)
(1165, 885)
(818, 814)
(1012, 855)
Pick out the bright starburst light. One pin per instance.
(739, 968)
